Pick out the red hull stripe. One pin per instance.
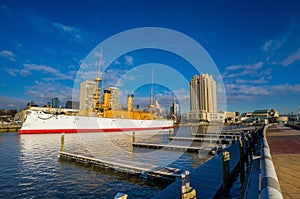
(44, 131)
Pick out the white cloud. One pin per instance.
(73, 34)
(42, 92)
(295, 56)
(29, 68)
(241, 70)
(8, 12)
(272, 45)
(70, 33)
(8, 54)
(286, 88)
(129, 60)
(12, 103)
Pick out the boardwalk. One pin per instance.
(284, 145)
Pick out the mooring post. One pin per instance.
(226, 173)
(170, 132)
(187, 192)
(250, 146)
(133, 136)
(246, 151)
(242, 158)
(62, 142)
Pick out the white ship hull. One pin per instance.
(40, 122)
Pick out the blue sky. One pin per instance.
(254, 44)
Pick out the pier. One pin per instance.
(212, 179)
(10, 127)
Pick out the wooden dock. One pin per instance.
(190, 149)
(10, 127)
(141, 169)
(197, 139)
(208, 135)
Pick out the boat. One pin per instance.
(102, 118)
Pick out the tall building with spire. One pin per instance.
(87, 92)
(203, 97)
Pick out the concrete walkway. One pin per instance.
(284, 145)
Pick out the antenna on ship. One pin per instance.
(98, 80)
(151, 94)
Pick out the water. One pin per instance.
(29, 167)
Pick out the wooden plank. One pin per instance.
(168, 146)
(199, 139)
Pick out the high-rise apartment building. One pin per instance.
(55, 103)
(203, 97)
(87, 92)
(114, 98)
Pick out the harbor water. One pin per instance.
(30, 168)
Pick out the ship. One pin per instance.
(100, 119)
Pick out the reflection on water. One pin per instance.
(29, 166)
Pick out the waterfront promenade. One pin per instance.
(284, 143)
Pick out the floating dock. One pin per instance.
(190, 149)
(135, 168)
(197, 139)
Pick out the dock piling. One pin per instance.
(62, 142)
(226, 174)
(187, 192)
(242, 160)
(133, 136)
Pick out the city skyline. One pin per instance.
(255, 46)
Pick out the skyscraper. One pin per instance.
(114, 98)
(87, 92)
(203, 97)
(55, 103)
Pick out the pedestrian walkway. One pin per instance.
(284, 143)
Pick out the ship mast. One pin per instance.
(98, 80)
(151, 94)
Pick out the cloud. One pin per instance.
(12, 72)
(8, 54)
(272, 45)
(29, 68)
(4, 9)
(246, 92)
(129, 60)
(12, 103)
(42, 92)
(295, 56)
(72, 33)
(242, 70)
(286, 88)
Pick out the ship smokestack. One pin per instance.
(106, 98)
(129, 102)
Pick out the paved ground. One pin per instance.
(284, 144)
